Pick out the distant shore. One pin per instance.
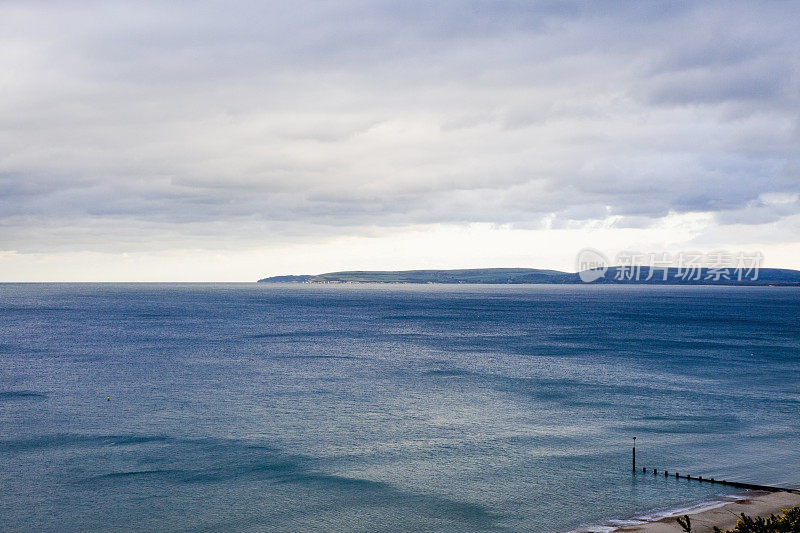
(616, 275)
(723, 516)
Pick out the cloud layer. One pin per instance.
(136, 126)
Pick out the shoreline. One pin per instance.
(722, 513)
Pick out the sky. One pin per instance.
(228, 141)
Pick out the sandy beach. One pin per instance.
(724, 517)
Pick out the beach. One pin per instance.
(724, 516)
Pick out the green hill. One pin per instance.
(614, 275)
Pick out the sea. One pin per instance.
(296, 407)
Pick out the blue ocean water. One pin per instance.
(386, 407)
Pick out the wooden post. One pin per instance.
(634, 454)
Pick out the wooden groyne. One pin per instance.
(737, 484)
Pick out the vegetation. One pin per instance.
(787, 522)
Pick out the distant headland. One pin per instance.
(611, 275)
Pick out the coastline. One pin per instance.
(720, 513)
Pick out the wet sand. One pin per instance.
(724, 517)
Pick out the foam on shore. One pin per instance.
(722, 512)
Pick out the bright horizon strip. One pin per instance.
(439, 248)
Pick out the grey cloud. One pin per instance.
(708, 86)
(761, 212)
(146, 124)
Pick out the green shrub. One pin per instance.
(787, 522)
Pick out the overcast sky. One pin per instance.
(230, 140)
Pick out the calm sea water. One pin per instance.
(364, 408)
